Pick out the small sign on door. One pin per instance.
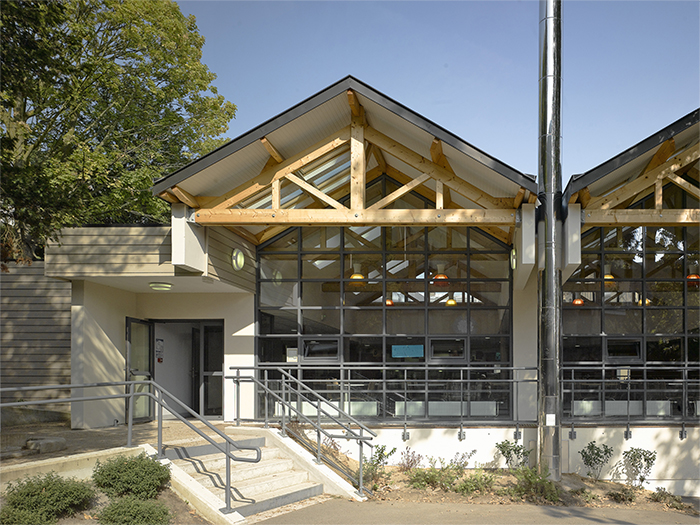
(159, 350)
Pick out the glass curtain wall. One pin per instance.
(630, 322)
(390, 321)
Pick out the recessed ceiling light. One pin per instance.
(160, 287)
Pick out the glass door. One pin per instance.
(139, 364)
(212, 363)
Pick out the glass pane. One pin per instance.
(363, 321)
(363, 349)
(664, 294)
(581, 321)
(489, 350)
(664, 239)
(694, 349)
(405, 266)
(665, 266)
(321, 349)
(213, 348)
(447, 239)
(320, 266)
(278, 293)
(408, 293)
(624, 348)
(451, 266)
(664, 321)
(693, 321)
(582, 349)
(453, 295)
(320, 293)
(623, 293)
(405, 238)
(489, 266)
(369, 265)
(320, 321)
(370, 295)
(693, 238)
(277, 350)
(693, 293)
(590, 241)
(489, 321)
(414, 348)
(664, 349)
(480, 241)
(363, 238)
(489, 293)
(623, 266)
(581, 293)
(405, 321)
(213, 395)
(140, 355)
(320, 239)
(448, 348)
(448, 321)
(288, 242)
(589, 268)
(621, 322)
(279, 266)
(278, 322)
(627, 239)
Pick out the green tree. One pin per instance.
(98, 99)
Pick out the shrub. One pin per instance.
(44, 499)
(374, 467)
(639, 463)
(442, 477)
(595, 458)
(585, 495)
(131, 510)
(624, 495)
(409, 460)
(514, 454)
(139, 476)
(532, 485)
(478, 481)
(663, 496)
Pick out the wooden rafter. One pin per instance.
(168, 197)
(185, 197)
(400, 192)
(357, 162)
(518, 200)
(355, 106)
(437, 172)
(685, 185)
(641, 217)
(311, 190)
(272, 150)
(268, 176)
(334, 217)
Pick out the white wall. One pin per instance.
(98, 350)
(524, 336)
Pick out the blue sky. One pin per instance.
(629, 68)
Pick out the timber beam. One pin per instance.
(346, 217)
(640, 217)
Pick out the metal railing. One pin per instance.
(163, 399)
(292, 397)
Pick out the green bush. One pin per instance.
(532, 485)
(139, 476)
(409, 460)
(131, 510)
(639, 463)
(443, 476)
(624, 495)
(44, 499)
(515, 455)
(663, 496)
(595, 458)
(478, 481)
(374, 467)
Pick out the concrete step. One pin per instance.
(275, 499)
(259, 487)
(217, 461)
(242, 472)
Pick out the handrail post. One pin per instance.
(130, 425)
(360, 489)
(284, 406)
(238, 397)
(267, 400)
(160, 421)
(318, 431)
(228, 476)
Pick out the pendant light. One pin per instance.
(441, 278)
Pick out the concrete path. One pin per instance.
(344, 512)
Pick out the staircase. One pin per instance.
(255, 487)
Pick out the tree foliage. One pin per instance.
(98, 98)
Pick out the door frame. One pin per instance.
(128, 371)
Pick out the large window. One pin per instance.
(391, 321)
(630, 322)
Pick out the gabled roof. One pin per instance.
(323, 113)
(635, 161)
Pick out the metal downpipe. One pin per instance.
(550, 195)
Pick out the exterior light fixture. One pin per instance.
(160, 287)
(440, 278)
(237, 259)
(513, 259)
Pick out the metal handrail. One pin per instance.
(161, 393)
(344, 420)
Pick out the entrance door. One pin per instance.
(139, 364)
(211, 362)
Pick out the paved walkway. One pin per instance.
(344, 512)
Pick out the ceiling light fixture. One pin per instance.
(357, 275)
(578, 302)
(440, 278)
(160, 287)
